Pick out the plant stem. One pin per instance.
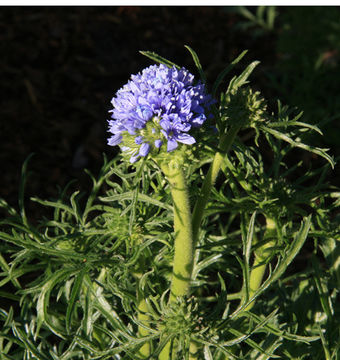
(187, 233)
(184, 249)
(193, 351)
(145, 351)
(226, 142)
(262, 255)
(185, 230)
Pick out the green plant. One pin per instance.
(103, 277)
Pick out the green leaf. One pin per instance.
(24, 176)
(8, 316)
(282, 264)
(237, 82)
(141, 197)
(57, 205)
(286, 138)
(8, 357)
(250, 235)
(205, 263)
(29, 345)
(216, 344)
(105, 172)
(44, 296)
(322, 288)
(245, 337)
(155, 57)
(292, 251)
(271, 14)
(276, 343)
(286, 124)
(224, 73)
(88, 312)
(73, 298)
(246, 253)
(75, 207)
(3, 204)
(7, 295)
(102, 305)
(6, 268)
(273, 329)
(133, 205)
(197, 63)
(246, 13)
(207, 353)
(324, 344)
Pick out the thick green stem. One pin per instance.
(145, 351)
(225, 145)
(262, 255)
(193, 351)
(142, 308)
(184, 249)
(187, 231)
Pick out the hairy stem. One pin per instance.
(193, 351)
(225, 145)
(184, 249)
(187, 233)
(145, 351)
(187, 228)
(262, 256)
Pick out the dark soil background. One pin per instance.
(60, 67)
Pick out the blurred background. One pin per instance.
(60, 67)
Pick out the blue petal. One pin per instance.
(144, 111)
(158, 143)
(185, 139)
(164, 133)
(198, 120)
(115, 140)
(165, 124)
(144, 149)
(172, 144)
(134, 158)
(139, 140)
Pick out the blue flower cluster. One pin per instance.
(157, 107)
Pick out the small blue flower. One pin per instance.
(158, 106)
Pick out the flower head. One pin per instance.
(157, 109)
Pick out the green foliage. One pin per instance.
(72, 284)
(260, 20)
